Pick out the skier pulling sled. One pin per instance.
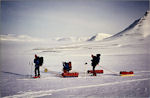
(95, 61)
(66, 68)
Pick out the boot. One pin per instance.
(94, 74)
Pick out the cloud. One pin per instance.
(19, 38)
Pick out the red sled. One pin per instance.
(125, 73)
(73, 74)
(97, 71)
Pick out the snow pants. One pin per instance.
(37, 69)
(94, 73)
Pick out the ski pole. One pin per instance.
(85, 68)
(29, 70)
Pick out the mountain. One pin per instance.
(140, 28)
(99, 36)
(19, 38)
(70, 39)
(64, 39)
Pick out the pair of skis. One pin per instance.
(36, 77)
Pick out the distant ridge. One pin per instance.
(139, 28)
(99, 36)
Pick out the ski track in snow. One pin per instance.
(49, 92)
(82, 75)
(85, 77)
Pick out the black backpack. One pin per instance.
(97, 60)
(41, 61)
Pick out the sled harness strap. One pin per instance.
(109, 70)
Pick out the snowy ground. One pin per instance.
(16, 70)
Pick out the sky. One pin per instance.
(64, 18)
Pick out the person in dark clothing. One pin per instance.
(95, 61)
(67, 67)
(37, 66)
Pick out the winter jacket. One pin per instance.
(95, 60)
(37, 62)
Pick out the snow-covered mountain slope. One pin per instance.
(71, 39)
(135, 37)
(99, 36)
(138, 29)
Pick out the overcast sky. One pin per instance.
(59, 18)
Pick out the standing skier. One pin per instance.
(37, 66)
(95, 61)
